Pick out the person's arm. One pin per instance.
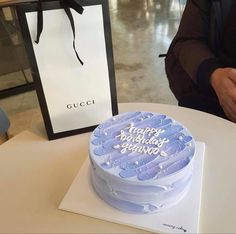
(223, 81)
(191, 46)
(191, 42)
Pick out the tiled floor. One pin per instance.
(141, 30)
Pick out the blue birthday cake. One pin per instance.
(141, 162)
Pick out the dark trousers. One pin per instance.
(202, 103)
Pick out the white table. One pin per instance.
(35, 174)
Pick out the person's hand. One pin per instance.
(223, 81)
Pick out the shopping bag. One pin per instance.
(69, 47)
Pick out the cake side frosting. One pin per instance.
(142, 161)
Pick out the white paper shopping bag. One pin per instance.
(74, 98)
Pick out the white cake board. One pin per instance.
(182, 218)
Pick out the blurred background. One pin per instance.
(141, 30)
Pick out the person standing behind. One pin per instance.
(201, 61)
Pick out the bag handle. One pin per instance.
(66, 5)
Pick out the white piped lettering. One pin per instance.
(142, 140)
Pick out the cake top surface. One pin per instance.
(141, 146)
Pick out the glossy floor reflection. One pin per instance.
(141, 30)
